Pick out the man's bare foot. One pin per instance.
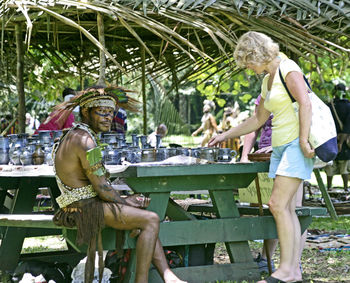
(170, 277)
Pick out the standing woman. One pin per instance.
(292, 157)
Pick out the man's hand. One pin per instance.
(307, 150)
(216, 140)
(137, 201)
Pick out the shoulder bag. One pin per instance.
(323, 134)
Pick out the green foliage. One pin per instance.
(328, 72)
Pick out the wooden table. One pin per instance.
(157, 182)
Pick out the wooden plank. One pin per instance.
(213, 273)
(27, 220)
(194, 169)
(200, 232)
(300, 211)
(189, 183)
(325, 195)
(250, 210)
(159, 203)
(226, 207)
(206, 231)
(176, 212)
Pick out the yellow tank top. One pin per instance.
(285, 124)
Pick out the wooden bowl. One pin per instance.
(259, 156)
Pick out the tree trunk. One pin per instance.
(19, 80)
(183, 107)
(144, 98)
(101, 38)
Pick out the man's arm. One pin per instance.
(100, 182)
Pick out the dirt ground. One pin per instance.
(327, 266)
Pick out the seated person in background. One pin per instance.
(88, 200)
(59, 122)
(119, 123)
(152, 138)
(31, 124)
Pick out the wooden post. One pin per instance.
(101, 38)
(325, 195)
(144, 102)
(261, 213)
(19, 80)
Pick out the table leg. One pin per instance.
(54, 191)
(12, 242)
(325, 195)
(226, 207)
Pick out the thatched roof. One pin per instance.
(175, 34)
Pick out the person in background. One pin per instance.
(88, 200)
(152, 138)
(208, 126)
(292, 157)
(32, 124)
(228, 121)
(264, 146)
(59, 122)
(341, 116)
(120, 123)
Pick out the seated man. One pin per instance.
(88, 200)
(152, 138)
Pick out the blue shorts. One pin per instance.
(288, 160)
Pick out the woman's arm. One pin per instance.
(296, 85)
(249, 141)
(250, 125)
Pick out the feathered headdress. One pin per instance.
(96, 96)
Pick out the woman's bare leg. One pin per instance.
(281, 205)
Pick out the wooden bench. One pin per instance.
(28, 221)
(250, 210)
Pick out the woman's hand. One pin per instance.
(244, 159)
(266, 149)
(308, 151)
(217, 140)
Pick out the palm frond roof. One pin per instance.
(175, 34)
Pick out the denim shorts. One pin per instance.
(288, 160)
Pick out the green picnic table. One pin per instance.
(157, 182)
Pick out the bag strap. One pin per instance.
(307, 82)
(285, 85)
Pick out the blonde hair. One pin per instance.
(255, 48)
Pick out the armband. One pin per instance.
(94, 157)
